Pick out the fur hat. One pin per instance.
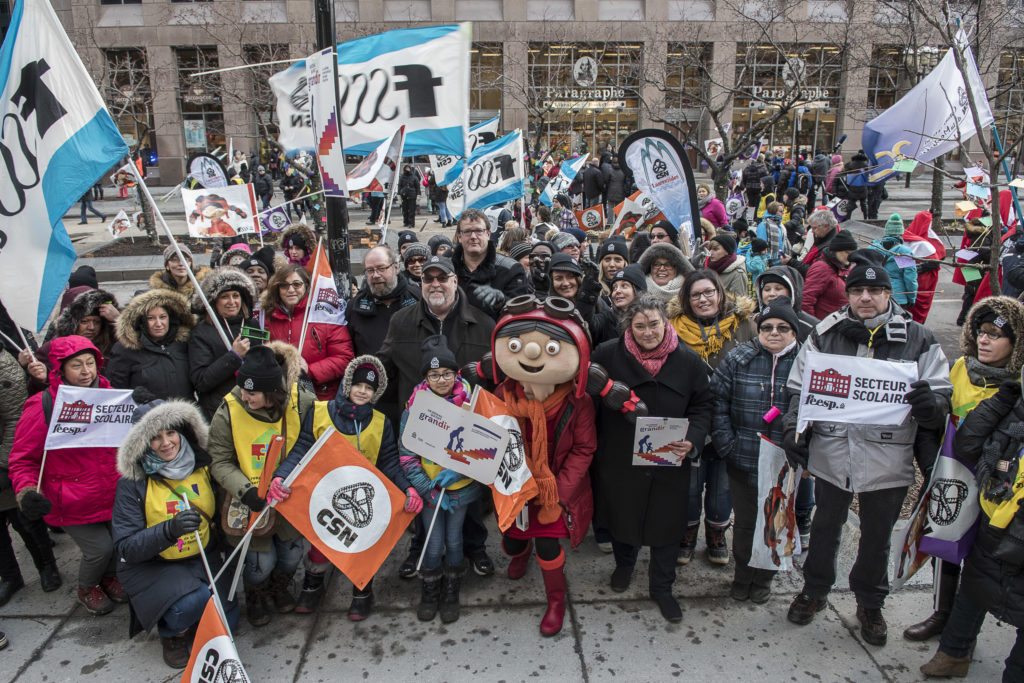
(153, 418)
(86, 303)
(131, 323)
(347, 379)
(667, 252)
(226, 279)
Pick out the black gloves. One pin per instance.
(491, 298)
(797, 453)
(252, 499)
(34, 505)
(924, 403)
(479, 372)
(185, 522)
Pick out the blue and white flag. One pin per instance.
(447, 168)
(494, 174)
(930, 120)
(566, 174)
(57, 139)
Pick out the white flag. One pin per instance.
(89, 418)
(377, 169)
(494, 173)
(320, 75)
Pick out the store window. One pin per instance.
(202, 110)
(804, 79)
(583, 97)
(129, 97)
(485, 67)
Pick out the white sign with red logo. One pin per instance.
(325, 304)
(854, 390)
(89, 418)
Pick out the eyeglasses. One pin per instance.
(708, 294)
(661, 265)
(430, 279)
(380, 270)
(772, 329)
(991, 336)
(416, 259)
(472, 233)
(292, 285)
(859, 291)
(446, 376)
(659, 235)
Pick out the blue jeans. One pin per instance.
(185, 613)
(711, 482)
(962, 630)
(282, 555)
(805, 500)
(446, 538)
(443, 215)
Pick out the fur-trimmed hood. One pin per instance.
(741, 306)
(84, 304)
(181, 416)
(304, 232)
(133, 318)
(287, 356)
(346, 381)
(222, 280)
(1006, 307)
(161, 279)
(667, 252)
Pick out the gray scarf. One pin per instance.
(184, 462)
(982, 375)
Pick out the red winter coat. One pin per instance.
(327, 350)
(80, 482)
(570, 462)
(824, 289)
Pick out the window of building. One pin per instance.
(202, 111)
(346, 10)
(691, 10)
(620, 10)
(262, 101)
(485, 68)
(894, 71)
(1008, 102)
(129, 97)
(406, 10)
(583, 97)
(804, 79)
(479, 10)
(550, 10)
(686, 81)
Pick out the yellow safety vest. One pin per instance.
(1001, 514)
(162, 505)
(252, 436)
(366, 442)
(966, 394)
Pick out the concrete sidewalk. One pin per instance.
(607, 636)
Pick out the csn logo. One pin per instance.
(362, 95)
(490, 172)
(660, 169)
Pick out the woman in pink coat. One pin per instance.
(711, 207)
(77, 489)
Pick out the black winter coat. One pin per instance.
(467, 330)
(498, 271)
(647, 505)
(263, 186)
(212, 366)
(161, 368)
(593, 181)
(615, 185)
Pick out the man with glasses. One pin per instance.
(487, 277)
(445, 310)
(874, 462)
(385, 291)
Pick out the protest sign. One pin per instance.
(214, 657)
(120, 224)
(275, 220)
(514, 485)
(776, 535)
(86, 418)
(223, 212)
(454, 438)
(854, 390)
(713, 147)
(651, 439)
(345, 507)
(592, 218)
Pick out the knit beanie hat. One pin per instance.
(991, 317)
(673, 233)
(634, 275)
(842, 241)
(520, 249)
(260, 371)
(263, 258)
(564, 262)
(782, 309)
(407, 237)
(563, 240)
(436, 355)
(758, 245)
(613, 246)
(84, 276)
(186, 252)
(413, 250)
(866, 271)
(366, 374)
(894, 226)
(727, 241)
(436, 241)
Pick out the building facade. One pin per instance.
(575, 75)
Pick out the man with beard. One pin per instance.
(385, 291)
(446, 310)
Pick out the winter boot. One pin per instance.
(362, 603)
(718, 550)
(450, 596)
(49, 577)
(313, 585)
(9, 587)
(518, 564)
(430, 581)
(280, 592)
(872, 625)
(933, 625)
(176, 650)
(946, 666)
(94, 600)
(555, 587)
(255, 604)
(114, 590)
(689, 545)
(803, 609)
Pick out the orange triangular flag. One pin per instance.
(514, 485)
(214, 657)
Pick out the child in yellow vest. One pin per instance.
(370, 432)
(441, 376)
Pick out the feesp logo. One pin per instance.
(350, 509)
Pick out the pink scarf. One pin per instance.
(653, 360)
(459, 395)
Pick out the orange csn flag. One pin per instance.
(345, 507)
(592, 218)
(514, 485)
(214, 657)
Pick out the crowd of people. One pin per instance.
(687, 328)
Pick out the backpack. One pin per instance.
(800, 179)
(856, 182)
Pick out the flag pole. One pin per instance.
(181, 257)
(209, 572)
(426, 538)
(309, 295)
(12, 342)
(394, 185)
